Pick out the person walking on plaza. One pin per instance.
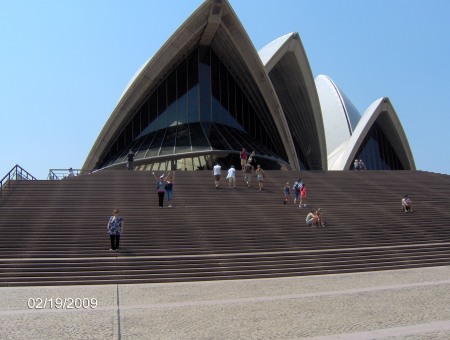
(130, 158)
(260, 177)
(231, 175)
(115, 229)
(217, 173)
(160, 188)
(169, 187)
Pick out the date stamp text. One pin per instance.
(62, 303)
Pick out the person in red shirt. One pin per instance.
(243, 156)
(302, 196)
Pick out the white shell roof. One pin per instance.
(340, 116)
(268, 51)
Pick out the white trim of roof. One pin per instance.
(272, 53)
(382, 111)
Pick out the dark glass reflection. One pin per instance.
(199, 106)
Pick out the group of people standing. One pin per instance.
(299, 189)
(248, 165)
(359, 165)
(314, 217)
(164, 185)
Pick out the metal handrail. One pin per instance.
(59, 174)
(16, 173)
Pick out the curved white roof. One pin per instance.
(268, 51)
(340, 116)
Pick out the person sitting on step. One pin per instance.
(320, 218)
(406, 204)
(312, 219)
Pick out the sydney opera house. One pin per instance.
(207, 94)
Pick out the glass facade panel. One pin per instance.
(154, 148)
(229, 137)
(146, 142)
(182, 89)
(224, 117)
(215, 138)
(193, 88)
(183, 141)
(162, 105)
(198, 138)
(199, 106)
(168, 145)
(205, 84)
(145, 117)
(171, 110)
(215, 88)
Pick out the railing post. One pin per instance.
(14, 173)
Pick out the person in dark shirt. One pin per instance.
(130, 157)
(115, 229)
(252, 160)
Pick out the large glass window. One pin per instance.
(168, 145)
(193, 87)
(199, 106)
(182, 106)
(198, 138)
(183, 141)
(171, 111)
(205, 84)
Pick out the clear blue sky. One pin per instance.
(64, 65)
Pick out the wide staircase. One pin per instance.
(54, 232)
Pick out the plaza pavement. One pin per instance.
(398, 304)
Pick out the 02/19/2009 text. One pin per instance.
(62, 303)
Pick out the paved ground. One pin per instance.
(401, 304)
